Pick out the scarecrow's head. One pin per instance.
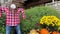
(13, 6)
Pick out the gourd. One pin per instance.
(33, 31)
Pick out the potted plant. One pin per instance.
(51, 23)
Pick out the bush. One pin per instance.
(33, 16)
(2, 24)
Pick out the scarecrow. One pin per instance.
(12, 10)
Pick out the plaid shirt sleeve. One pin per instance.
(2, 9)
(23, 14)
(0, 12)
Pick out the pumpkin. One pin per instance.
(33, 31)
(44, 31)
(55, 32)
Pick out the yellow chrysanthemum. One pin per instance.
(53, 20)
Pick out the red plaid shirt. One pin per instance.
(12, 18)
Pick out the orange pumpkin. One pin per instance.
(55, 32)
(44, 31)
